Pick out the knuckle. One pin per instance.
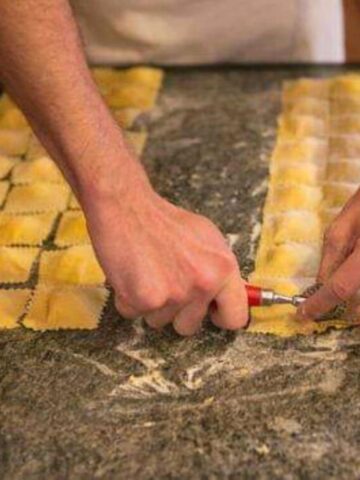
(338, 289)
(150, 300)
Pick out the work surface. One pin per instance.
(126, 402)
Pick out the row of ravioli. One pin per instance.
(314, 170)
(43, 233)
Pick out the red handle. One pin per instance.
(254, 295)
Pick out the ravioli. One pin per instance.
(12, 307)
(72, 230)
(40, 169)
(37, 198)
(6, 165)
(55, 307)
(13, 142)
(74, 265)
(16, 263)
(25, 229)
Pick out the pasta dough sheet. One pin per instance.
(12, 307)
(315, 169)
(55, 307)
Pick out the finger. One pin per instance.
(336, 248)
(126, 311)
(188, 321)
(162, 317)
(231, 309)
(341, 286)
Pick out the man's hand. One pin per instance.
(164, 263)
(340, 265)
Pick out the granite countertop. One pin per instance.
(125, 402)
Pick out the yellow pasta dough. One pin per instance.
(12, 306)
(131, 96)
(6, 104)
(4, 188)
(343, 171)
(145, 76)
(74, 204)
(125, 117)
(63, 307)
(16, 263)
(37, 197)
(72, 230)
(292, 127)
(311, 180)
(306, 87)
(13, 118)
(25, 229)
(308, 106)
(309, 150)
(35, 149)
(40, 169)
(7, 164)
(13, 142)
(74, 265)
(293, 197)
(302, 173)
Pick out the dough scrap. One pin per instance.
(72, 230)
(55, 307)
(16, 263)
(12, 306)
(40, 169)
(74, 265)
(13, 142)
(37, 198)
(25, 229)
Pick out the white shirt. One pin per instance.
(177, 32)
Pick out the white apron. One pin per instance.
(185, 32)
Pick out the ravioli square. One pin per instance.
(309, 150)
(55, 307)
(137, 141)
(25, 229)
(291, 197)
(12, 306)
(40, 169)
(306, 87)
(344, 146)
(13, 118)
(337, 194)
(130, 95)
(289, 260)
(13, 142)
(73, 265)
(293, 127)
(72, 229)
(16, 263)
(6, 165)
(346, 106)
(300, 174)
(296, 226)
(345, 124)
(308, 106)
(345, 85)
(37, 198)
(344, 171)
(35, 149)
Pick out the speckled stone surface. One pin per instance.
(124, 402)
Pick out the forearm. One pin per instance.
(43, 67)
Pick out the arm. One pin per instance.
(163, 262)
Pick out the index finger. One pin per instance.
(231, 309)
(341, 286)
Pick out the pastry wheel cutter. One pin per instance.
(262, 297)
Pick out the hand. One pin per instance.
(164, 263)
(340, 264)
